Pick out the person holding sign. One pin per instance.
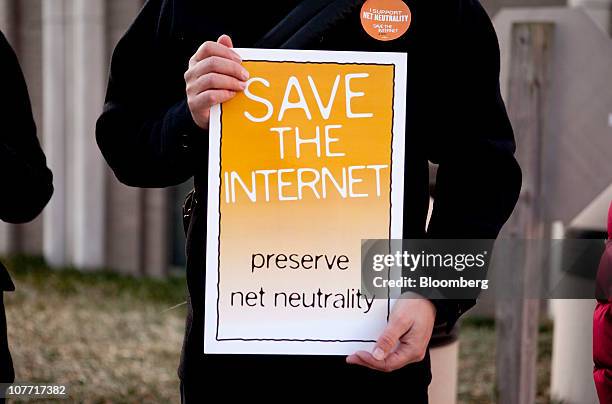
(176, 62)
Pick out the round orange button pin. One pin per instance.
(385, 20)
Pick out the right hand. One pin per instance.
(214, 76)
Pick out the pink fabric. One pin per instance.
(602, 323)
(610, 222)
(602, 351)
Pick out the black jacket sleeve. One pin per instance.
(478, 180)
(146, 132)
(25, 180)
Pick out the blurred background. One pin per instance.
(100, 274)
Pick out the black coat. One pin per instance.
(25, 181)
(455, 117)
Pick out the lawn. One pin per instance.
(114, 338)
(477, 362)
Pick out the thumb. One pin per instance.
(225, 40)
(387, 341)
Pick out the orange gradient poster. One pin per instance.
(303, 165)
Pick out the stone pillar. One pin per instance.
(55, 127)
(29, 48)
(156, 230)
(89, 171)
(8, 19)
(124, 236)
(599, 10)
(93, 220)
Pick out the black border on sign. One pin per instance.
(220, 193)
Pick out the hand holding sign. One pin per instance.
(214, 76)
(405, 338)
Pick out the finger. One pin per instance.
(389, 338)
(225, 40)
(372, 362)
(209, 48)
(210, 98)
(356, 360)
(366, 359)
(216, 64)
(214, 81)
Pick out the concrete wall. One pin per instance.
(64, 47)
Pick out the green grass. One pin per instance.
(70, 281)
(477, 361)
(110, 338)
(113, 339)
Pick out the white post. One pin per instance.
(557, 233)
(89, 174)
(572, 341)
(572, 355)
(55, 127)
(444, 371)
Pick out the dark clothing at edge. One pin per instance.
(26, 184)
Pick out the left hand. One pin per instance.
(404, 340)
